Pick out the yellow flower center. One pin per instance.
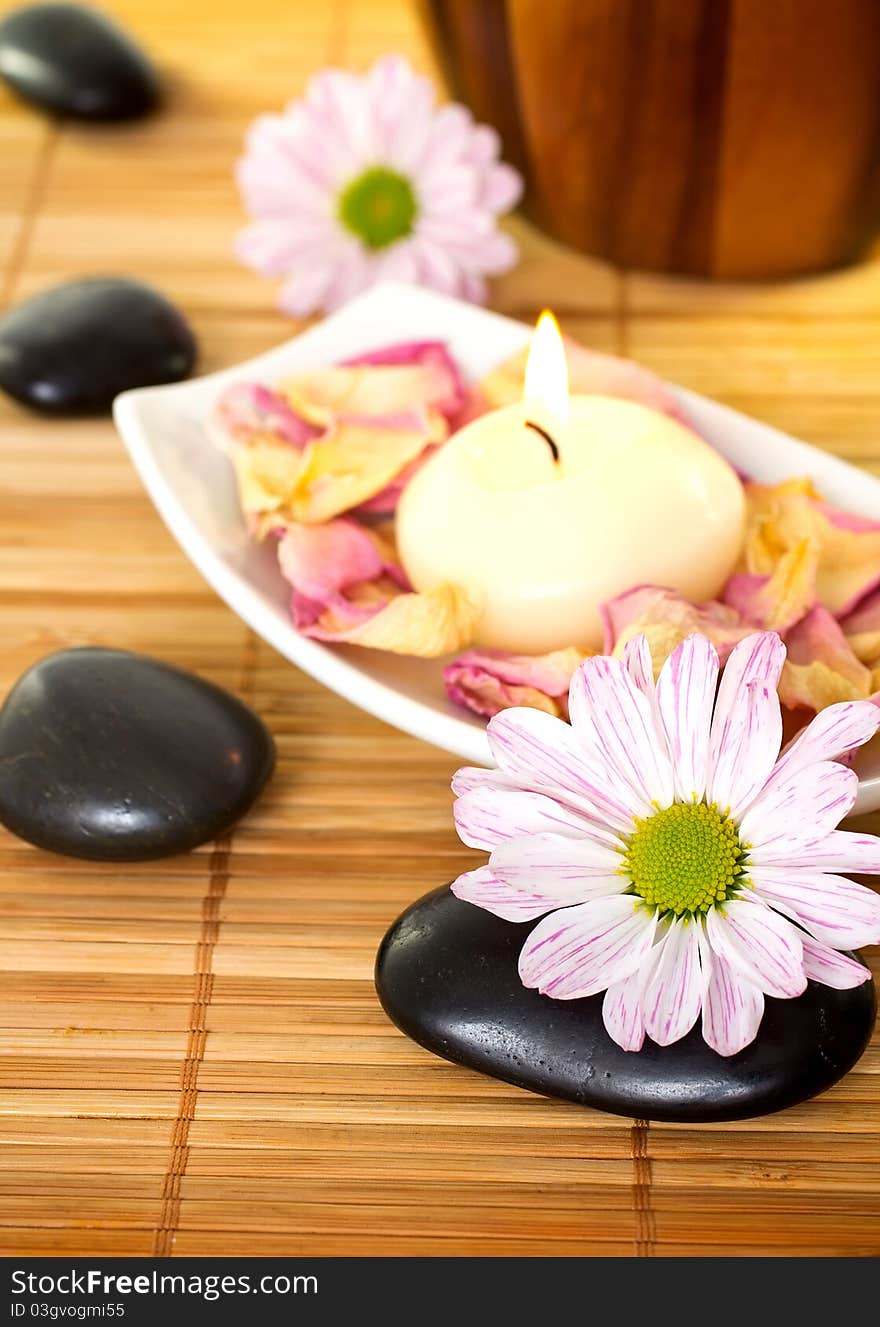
(378, 206)
(685, 859)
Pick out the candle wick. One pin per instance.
(554, 450)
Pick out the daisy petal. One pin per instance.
(830, 735)
(622, 1013)
(555, 860)
(673, 992)
(305, 289)
(841, 850)
(469, 777)
(502, 188)
(743, 746)
(539, 751)
(484, 889)
(489, 681)
(582, 950)
(833, 909)
(488, 816)
(758, 658)
(473, 287)
(747, 723)
(686, 695)
(802, 808)
(615, 722)
(637, 661)
(732, 1006)
(762, 946)
(830, 968)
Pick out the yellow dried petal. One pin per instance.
(667, 619)
(791, 589)
(849, 564)
(865, 645)
(662, 638)
(437, 622)
(780, 517)
(358, 391)
(352, 463)
(815, 685)
(267, 472)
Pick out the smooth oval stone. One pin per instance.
(116, 757)
(72, 349)
(71, 60)
(446, 974)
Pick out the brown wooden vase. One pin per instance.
(725, 138)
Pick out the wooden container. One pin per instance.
(725, 138)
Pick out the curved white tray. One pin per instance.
(192, 485)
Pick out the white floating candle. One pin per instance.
(548, 508)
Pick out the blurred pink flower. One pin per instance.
(365, 180)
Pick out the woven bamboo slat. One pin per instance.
(192, 1058)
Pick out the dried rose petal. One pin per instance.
(355, 460)
(862, 630)
(777, 601)
(247, 410)
(666, 619)
(385, 502)
(321, 560)
(488, 681)
(781, 516)
(366, 392)
(379, 616)
(349, 587)
(821, 668)
(446, 392)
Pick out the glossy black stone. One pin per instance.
(72, 349)
(446, 974)
(71, 60)
(116, 757)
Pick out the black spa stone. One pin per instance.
(71, 60)
(446, 974)
(116, 757)
(71, 349)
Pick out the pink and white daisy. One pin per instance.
(685, 866)
(365, 180)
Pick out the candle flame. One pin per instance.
(546, 388)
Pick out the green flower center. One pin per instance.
(378, 206)
(685, 859)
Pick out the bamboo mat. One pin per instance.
(193, 1060)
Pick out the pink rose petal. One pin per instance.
(445, 387)
(821, 668)
(488, 681)
(248, 409)
(847, 520)
(666, 618)
(321, 560)
(864, 617)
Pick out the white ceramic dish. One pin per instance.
(192, 485)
